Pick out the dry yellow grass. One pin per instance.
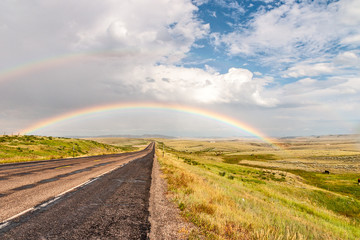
(127, 144)
(231, 201)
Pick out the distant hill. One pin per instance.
(127, 136)
(324, 136)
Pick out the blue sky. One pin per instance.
(285, 67)
(230, 21)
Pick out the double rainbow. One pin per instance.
(147, 105)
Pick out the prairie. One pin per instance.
(245, 189)
(125, 144)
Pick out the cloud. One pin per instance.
(347, 59)
(334, 93)
(344, 62)
(171, 83)
(231, 4)
(294, 31)
(351, 40)
(164, 34)
(349, 12)
(308, 69)
(160, 31)
(200, 2)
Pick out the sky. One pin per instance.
(286, 68)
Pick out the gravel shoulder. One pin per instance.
(166, 222)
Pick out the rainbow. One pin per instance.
(148, 105)
(55, 61)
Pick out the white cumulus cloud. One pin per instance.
(173, 83)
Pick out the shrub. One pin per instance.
(181, 206)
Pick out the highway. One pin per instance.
(104, 197)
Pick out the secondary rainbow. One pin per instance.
(39, 65)
(173, 107)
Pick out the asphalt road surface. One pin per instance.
(102, 197)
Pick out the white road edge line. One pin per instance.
(57, 197)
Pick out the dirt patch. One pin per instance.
(165, 219)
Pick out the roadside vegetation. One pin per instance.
(248, 190)
(30, 148)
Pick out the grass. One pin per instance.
(234, 159)
(31, 148)
(227, 200)
(342, 183)
(125, 144)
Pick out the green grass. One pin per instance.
(235, 159)
(348, 207)
(342, 183)
(128, 148)
(345, 184)
(30, 148)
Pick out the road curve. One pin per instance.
(115, 206)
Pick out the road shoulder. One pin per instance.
(165, 219)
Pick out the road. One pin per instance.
(112, 204)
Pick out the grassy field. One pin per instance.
(125, 144)
(247, 190)
(31, 148)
